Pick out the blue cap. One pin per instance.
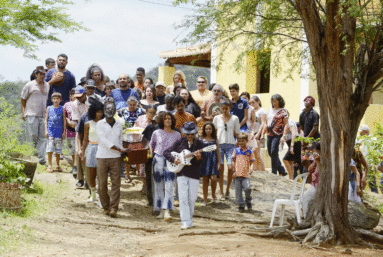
(79, 91)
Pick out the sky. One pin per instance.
(125, 34)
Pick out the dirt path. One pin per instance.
(74, 228)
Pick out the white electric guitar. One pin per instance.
(185, 157)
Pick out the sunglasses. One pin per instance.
(200, 82)
(225, 127)
(189, 134)
(215, 90)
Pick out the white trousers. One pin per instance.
(188, 192)
(307, 197)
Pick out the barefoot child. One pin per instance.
(90, 145)
(243, 162)
(55, 122)
(210, 166)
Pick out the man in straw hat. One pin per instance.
(188, 177)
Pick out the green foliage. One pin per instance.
(11, 131)
(11, 172)
(25, 22)
(306, 140)
(10, 91)
(373, 145)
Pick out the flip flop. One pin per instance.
(49, 169)
(59, 169)
(127, 180)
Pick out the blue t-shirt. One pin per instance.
(64, 89)
(239, 110)
(121, 96)
(55, 121)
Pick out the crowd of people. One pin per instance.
(92, 115)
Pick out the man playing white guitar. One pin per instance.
(188, 176)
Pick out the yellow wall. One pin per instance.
(246, 78)
(165, 74)
(373, 114)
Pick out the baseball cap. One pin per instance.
(90, 83)
(79, 91)
(160, 83)
(82, 81)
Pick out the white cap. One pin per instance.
(160, 83)
(364, 128)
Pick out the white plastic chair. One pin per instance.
(291, 201)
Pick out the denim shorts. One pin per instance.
(226, 150)
(71, 143)
(54, 145)
(90, 155)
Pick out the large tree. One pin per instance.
(345, 40)
(23, 23)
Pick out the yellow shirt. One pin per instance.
(200, 98)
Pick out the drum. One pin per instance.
(61, 81)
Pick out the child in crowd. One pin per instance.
(243, 162)
(90, 145)
(108, 89)
(314, 172)
(71, 132)
(55, 122)
(50, 63)
(210, 165)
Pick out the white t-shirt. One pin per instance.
(258, 120)
(270, 116)
(225, 134)
(248, 122)
(294, 125)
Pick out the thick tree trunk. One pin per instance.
(339, 126)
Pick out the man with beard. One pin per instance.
(109, 159)
(121, 95)
(216, 98)
(52, 78)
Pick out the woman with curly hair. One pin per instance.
(162, 139)
(95, 72)
(90, 145)
(277, 118)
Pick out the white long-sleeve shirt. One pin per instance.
(107, 137)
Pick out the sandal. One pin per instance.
(59, 169)
(49, 169)
(127, 180)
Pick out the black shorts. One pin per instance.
(296, 157)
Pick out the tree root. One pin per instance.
(231, 220)
(370, 235)
(149, 230)
(208, 233)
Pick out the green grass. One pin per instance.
(36, 201)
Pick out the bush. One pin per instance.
(11, 132)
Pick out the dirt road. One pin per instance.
(73, 227)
